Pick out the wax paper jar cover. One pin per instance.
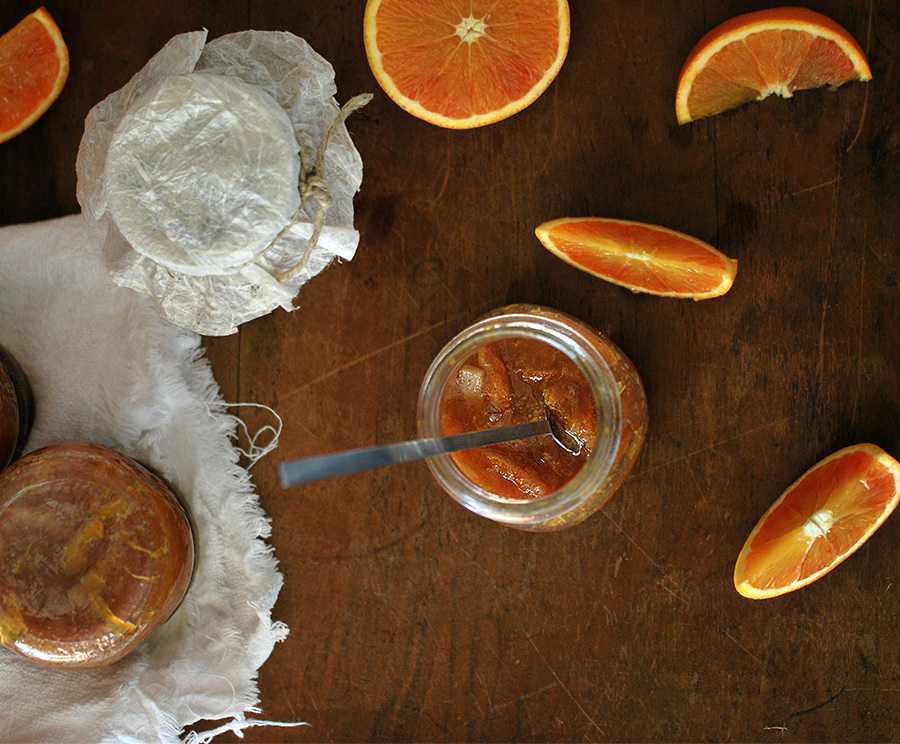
(16, 408)
(225, 175)
(96, 553)
(531, 353)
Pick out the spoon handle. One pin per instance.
(294, 472)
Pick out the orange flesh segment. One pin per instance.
(497, 62)
(641, 257)
(752, 69)
(755, 55)
(469, 69)
(819, 521)
(34, 65)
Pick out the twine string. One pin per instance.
(256, 451)
(313, 185)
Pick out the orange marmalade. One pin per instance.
(95, 554)
(515, 381)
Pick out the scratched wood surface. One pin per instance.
(412, 619)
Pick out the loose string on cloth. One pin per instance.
(255, 451)
(313, 185)
(234, 727)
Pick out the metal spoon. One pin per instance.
(294, 472)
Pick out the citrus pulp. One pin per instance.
(465, 64)
(769, 51)
(641, 257)
(819, 521)
(34, 65)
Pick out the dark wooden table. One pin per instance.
(412, 619)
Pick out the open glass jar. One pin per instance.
(619, 410)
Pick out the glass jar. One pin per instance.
(96, 553)
(16, 409)
(619, 401)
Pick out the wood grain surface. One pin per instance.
(412, 619)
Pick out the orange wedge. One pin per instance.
(641, 257)
(770, 51)
(465, 64)
(34, 65)
(819, 521)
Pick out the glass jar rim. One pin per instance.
(569, 336)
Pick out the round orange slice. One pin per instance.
(34, 65)
(819, 521)
(770, 51)
(641, 257)
(465, 64)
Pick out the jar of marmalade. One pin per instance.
(96, 553)
(16, 408)
(517, 364)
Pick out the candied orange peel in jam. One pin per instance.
(515, 381)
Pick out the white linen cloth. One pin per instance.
(105, 367)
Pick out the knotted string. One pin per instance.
(313, 185)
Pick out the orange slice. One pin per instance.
(770, 51)
(463, 64)
(34, 65)
(641, 257)
(819, 521)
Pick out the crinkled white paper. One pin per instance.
(202, 173)
(202, 275)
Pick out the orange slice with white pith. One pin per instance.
(819, 521)
(465, 64)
